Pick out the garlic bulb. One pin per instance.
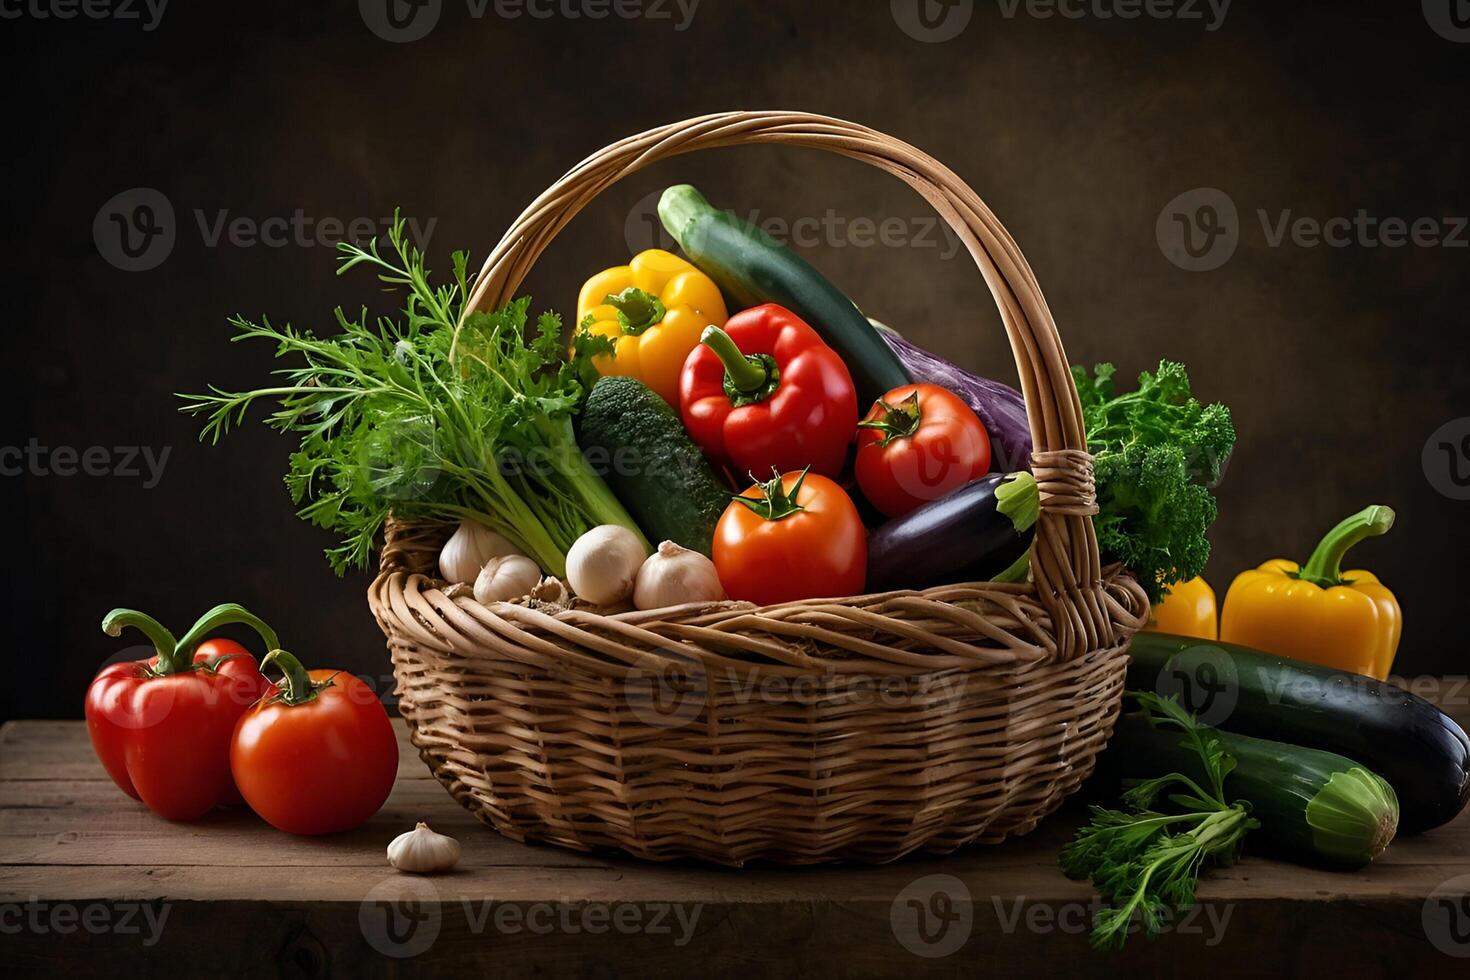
(676, 575)
(467, 551)
(510, 577)
(603, 564)
(422, 851)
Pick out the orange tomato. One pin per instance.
(796, 536)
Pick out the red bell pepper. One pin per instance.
(765, 393)
(162, 726)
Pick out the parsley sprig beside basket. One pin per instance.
(1144, 859)
(426, 417)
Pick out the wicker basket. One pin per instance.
(838, 729)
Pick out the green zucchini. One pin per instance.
(635, 441)
(753, 268)
(1314, 807)
(1419, 749)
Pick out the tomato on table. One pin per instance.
(918, 443)
(795, 536)
(316, 755)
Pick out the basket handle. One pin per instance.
(1064, 556)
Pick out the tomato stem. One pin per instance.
(897, 421)
(296, 685)
(774, 502)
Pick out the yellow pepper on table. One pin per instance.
(1187, 610)
(1317, 612)
(653, 309)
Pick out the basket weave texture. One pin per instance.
(858, 728)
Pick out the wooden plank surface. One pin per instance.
(91, 883)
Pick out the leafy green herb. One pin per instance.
(1143, 860)
(423, 417)
(1158, 452)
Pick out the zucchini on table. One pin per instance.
(1419, 749)
(753, 268)
(1313, 807)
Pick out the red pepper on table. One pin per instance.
(162, 726)
(765, 393)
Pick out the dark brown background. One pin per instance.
(1338, 362)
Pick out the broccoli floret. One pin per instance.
(1158, 453)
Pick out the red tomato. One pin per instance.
(800, 537)
(316, 756)
(919, 443)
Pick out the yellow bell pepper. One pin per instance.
(1188, 610)
(1317, 612)
(653, 309)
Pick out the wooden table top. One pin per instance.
(92, 884)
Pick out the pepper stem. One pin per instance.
(296, 684)
(225, 614)
(1324, 568)
(163, 641)
(637, 309)
(748, 378)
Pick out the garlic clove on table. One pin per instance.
(422, 851)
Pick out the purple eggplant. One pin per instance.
(999, 406)
(973, 534)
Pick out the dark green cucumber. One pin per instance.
(635, 441)
(1419, 749)
(1314, 807)
(753, 268)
